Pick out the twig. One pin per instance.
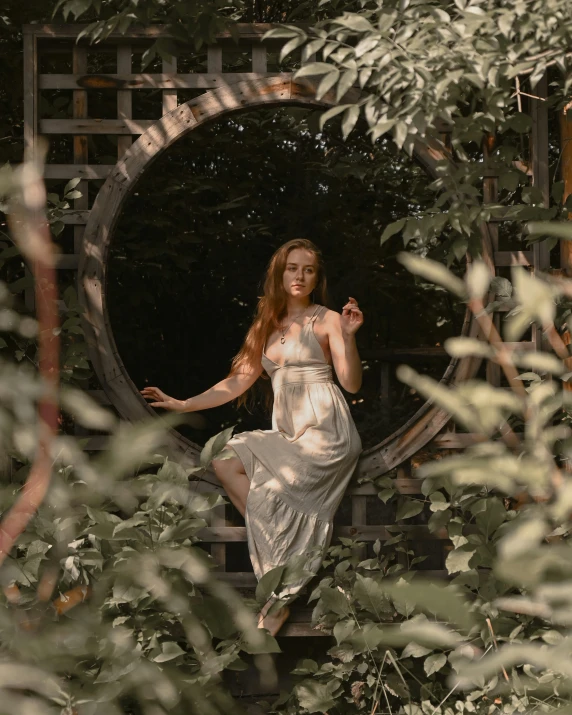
(490, 625)
(30, 228)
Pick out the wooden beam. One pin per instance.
(127, 81)
(95, 126)
(71, 171)
(75, 217)
(513, 258)
(232, 534)
(244, 30)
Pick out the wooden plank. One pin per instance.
(127, 81)
(124, 97)
(71, 171)
(169, 95)
(513, 258)
(233, 534)
(95, 126)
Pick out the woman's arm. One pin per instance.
(341, 335)
(223, 392)
(219, 394)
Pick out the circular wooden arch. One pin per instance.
(103, 217)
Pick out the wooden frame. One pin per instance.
(92, 271)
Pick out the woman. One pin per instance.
(288, 481)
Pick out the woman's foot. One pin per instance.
(273, 622)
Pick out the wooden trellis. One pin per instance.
(139, 143)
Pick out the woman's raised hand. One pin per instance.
(160, 399)
(352, 317)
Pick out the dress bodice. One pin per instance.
(304, 359)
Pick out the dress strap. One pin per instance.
(315, 314)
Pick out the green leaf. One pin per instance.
(215, 446)
(434, 663)
(332, 112)
(371, 596)
(415, 650)
(458, 560)
(434, 272)
(169, 651)
(392, 229)
(72, 183)
(269, 584)
(408, 508)
(265, 643)
(316, 697)
(349, 120)
(478, 279)
(335, 601)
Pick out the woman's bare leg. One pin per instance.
(231, 475)
(273, 622)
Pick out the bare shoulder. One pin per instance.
(329, 318)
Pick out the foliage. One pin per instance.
(110, 604)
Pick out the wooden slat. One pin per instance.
(513, 258)
(127, 80)
(456, 440)
(395, 354)
(124, 97)
(259, 64)
(66, 261)
(71, 171)
(169, 95)
(75, 217)
(95, 126)
(232, 534)
(244, 30)
(214, 60)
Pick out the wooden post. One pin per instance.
(80, 151)
(490, 195)
(169, 95)
(566, 169)
(124, 96)
(540, 177)
(30, 124)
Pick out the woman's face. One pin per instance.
(301, 273)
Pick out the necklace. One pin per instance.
(285, 330)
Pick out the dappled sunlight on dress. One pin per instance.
(298, 470)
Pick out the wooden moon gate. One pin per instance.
(92, 272)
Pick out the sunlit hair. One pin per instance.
(271, 309)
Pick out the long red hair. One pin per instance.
(271, 309)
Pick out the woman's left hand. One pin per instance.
(352, 317)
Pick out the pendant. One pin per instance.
(282, 340)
